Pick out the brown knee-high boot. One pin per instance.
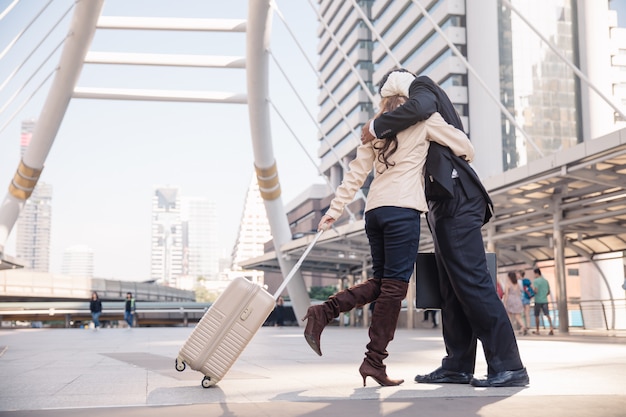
(319, 316)
(382, 329)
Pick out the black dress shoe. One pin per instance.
(518, 378)
(443, 376)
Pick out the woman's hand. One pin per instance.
(366, 135)
(325, 223)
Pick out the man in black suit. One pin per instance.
(458, 205)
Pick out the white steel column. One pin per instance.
(559, 264)
(484, 117)
(82, 29)
(595, 62)
(257, 75)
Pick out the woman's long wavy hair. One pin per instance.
(388, 146)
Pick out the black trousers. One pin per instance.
(471, 307)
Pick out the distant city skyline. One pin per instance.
(184, 241)
(78, 261)
(254, 232)
(166, 260)
(200, 228)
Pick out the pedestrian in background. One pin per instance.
(541, 286)
(527, 295)
(95, 306)
(129, 309)
(512, 300)
(279, 311)
(433, 316)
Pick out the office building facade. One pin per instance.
(167, 236)
(200, 241)
(512, 64)
(254, 232)
(78, 261)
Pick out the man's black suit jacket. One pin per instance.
(426, 98)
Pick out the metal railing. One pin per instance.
(604, 314)
(26, 285)
(601, 314)
(582, 314)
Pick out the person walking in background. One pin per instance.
(279, 310)
(527, 295)
(499, 289)
(392, 225)
(458, 207)
(371, 308)
(95, 306)
(541, 286)
(433, 316)
(512, 300)
(129, 309)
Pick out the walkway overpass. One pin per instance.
(63, 301)
(24, 286)
(76, 314)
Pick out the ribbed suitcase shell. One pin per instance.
(225, 329)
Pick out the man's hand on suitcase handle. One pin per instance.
(325, 223)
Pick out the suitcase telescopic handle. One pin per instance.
(297, 265)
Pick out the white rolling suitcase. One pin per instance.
(229, 324)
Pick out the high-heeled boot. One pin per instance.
(319, 316)
(382, 330)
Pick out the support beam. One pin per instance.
(559, 266)
(184, 96)
(171, 23)
(82, 29)
(165, 60)
(257, 57)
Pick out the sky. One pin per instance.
(620, 7)
(109, 155)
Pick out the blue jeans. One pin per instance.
(128, 316)
(393, 234)
(96, 318)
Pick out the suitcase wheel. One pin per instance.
(180, 365)
(207, 383)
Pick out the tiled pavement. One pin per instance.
(130, 372)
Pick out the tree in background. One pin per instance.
(322, 293)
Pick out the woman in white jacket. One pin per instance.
(392, 223)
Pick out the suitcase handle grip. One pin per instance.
(297, 265)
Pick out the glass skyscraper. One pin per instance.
(167, 236)
(200, 242)
(538, 87)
